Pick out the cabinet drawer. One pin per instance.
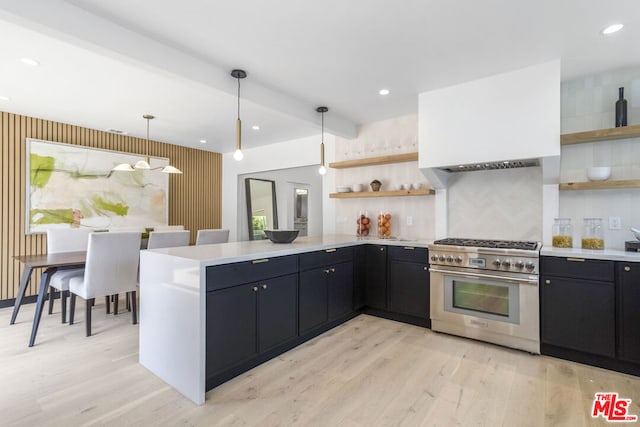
(409, 254)
(224, 276)
(325, 257)
(578, 268)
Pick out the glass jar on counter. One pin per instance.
(384, 225)
(562, 232)
(592, 234)
(364, 224)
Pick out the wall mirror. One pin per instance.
(262, 211)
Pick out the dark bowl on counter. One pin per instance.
(281, 236)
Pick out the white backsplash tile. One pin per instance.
(505, 204)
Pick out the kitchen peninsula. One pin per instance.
(177, 285)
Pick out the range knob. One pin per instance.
(530, 266)
(506, 263)
(497, 262)
(441, 258)
(520, 264)
(459, 259)
(434, 258)
(449, 258)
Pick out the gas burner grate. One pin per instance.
(494, 244)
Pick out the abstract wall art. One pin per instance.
(74, 186)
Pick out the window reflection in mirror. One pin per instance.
(262, 211)
(300, 203)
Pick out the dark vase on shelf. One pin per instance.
(621, 109)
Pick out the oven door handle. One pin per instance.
(470, 275)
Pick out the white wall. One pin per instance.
(588, 103)
(285, 155)
(285, 180)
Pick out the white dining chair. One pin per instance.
(206, 237)
(111, 268)
(167, 227)
(61, 240)
(168, 239)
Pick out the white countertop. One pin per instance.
(224, 253)
(604, 254)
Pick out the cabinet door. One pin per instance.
(408, 288)
(376, 277)
(277, 311)
(578, 314)
(340, 289)
(313, 299)
(231, 327)
(359, 277)
(629, 311)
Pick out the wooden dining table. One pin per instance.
(51, 263)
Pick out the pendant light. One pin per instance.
(146, 163)
(238, 74)
(323, 169)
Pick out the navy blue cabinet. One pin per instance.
(408, 281)
(326, 287)
(628, 281)
(576, 311)
(376, 276)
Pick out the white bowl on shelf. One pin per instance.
(599, 173)
(343, 189)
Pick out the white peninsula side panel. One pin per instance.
(172, 322)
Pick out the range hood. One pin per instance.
(506, 121)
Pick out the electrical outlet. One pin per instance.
(615, 223)
(409, 220)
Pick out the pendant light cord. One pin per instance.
(322, 137)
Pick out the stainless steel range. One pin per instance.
(486, 290)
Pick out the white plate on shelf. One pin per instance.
(343, 189)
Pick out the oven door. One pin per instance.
(494, 307)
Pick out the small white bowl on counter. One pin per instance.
(599, 173)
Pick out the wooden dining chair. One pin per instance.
(61, 240)
(206, 237)
(168, 239)
(111, 268)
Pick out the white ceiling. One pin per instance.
(104, 64)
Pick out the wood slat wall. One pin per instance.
(194, 196)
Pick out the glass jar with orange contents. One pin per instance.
(364, 224)
(384, 225)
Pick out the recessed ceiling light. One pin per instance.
(612, 29)
(255, 127)
(30, 61)
(203, 141)
(4, 98)
(383, 92)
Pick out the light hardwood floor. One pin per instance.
(367, 372)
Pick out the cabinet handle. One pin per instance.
(627, 268)
(409, 248)
(264, 286)
(254, 289)
(576, 259)
(330, 250)
(547, 282)
(326, 271)
(260, 261)
(381, 249)
(333, 270)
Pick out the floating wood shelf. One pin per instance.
(382, 160)
(361, 194)
(600, 135)
(600, 185)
